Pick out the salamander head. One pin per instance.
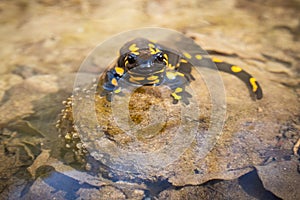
(144, 61)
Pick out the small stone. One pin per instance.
(75, 135)
(69, 157)
(88, 167)
(68, 136)
(79, 145)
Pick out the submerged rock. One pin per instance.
(103, 141)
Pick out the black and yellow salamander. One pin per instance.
(143, 62)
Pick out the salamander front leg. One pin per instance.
(179, 94)
(177, 85)
(110, 85)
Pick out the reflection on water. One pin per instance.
(44, 43)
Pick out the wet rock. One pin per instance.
(7, 81)
(132, 135)
(107, 192)
(247, 131)
(215, 189)
(19, 104)
(20, 100)
(253, 186)
(42, 159)
(25, 71)
(42, 190)
(281, 178)
(14, 188)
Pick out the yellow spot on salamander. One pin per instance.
(187, 55)
(151, 45)
(166, 61)
(119, 70)
(166, 56)
(177, 90)
(152, 78)
(183, 61)
(177, 97)
(253, 83)
(126, 62)
(133, 81)
(179, 73)
(198, 57)
(114, 82)
(117, 90)
(133, 48)
(171, 67)
(236, 69)
(154, 41)
(137, 78)
(153, 82)
(154, 51)
(217, 60)
(171, 75)
(160, 71)
(136, 52)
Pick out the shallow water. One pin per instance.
(43, 45)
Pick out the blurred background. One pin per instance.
(55, 36)
(43, 43)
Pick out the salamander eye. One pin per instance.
(160, 57)
(131, 58)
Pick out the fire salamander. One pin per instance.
(143, 62)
